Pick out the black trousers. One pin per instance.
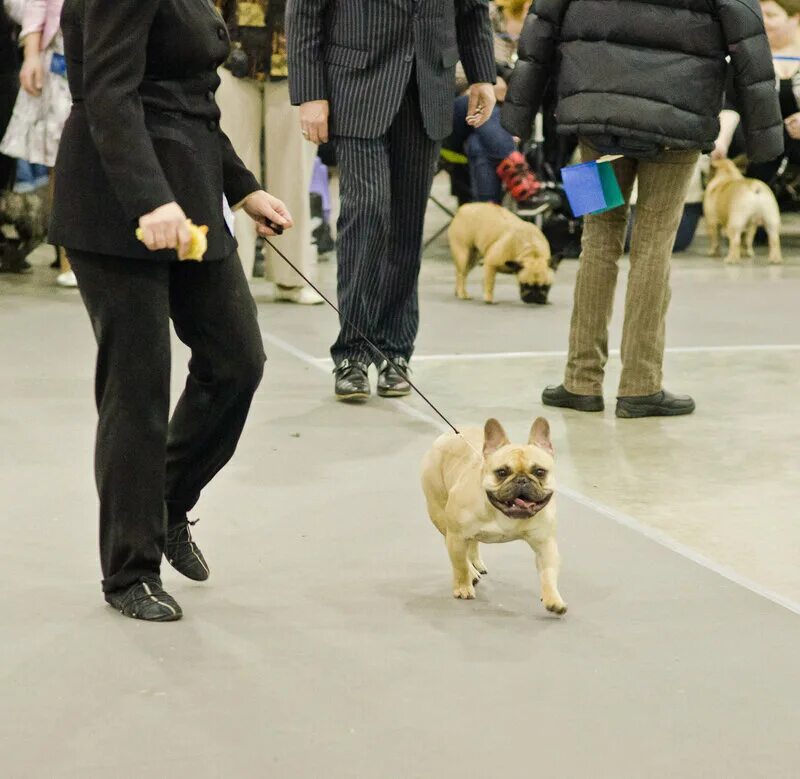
(384, 187)
(143, 459)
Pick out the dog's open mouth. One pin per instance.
(520, 507)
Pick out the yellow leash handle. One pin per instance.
(198, 244)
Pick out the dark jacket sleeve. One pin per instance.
(537, 52)
(115, 42)
(756, 96)
(304, 39)
(475, 41)
(237, 181)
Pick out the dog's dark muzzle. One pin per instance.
(534, 293)
(520, 500)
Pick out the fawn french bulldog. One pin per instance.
(507, 494)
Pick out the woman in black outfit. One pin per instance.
(143, 147)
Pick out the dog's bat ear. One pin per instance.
(555, 260)
(540, 435)
(494, 437)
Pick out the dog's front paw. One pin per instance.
(731, 260)
(489, 301)
(555, 606)
(464, 592)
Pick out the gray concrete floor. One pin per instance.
(327, 643)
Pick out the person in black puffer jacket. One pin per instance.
(645, 79)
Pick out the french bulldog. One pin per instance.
(738, 206)
(481, 489)
(507, 244)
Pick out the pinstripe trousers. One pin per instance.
(663, 185)
(384, 188)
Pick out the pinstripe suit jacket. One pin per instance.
(358, 55)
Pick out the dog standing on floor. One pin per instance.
(738, 206)
(508, 494)
(507, 244)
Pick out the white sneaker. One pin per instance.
(303, 296)
(67, 280)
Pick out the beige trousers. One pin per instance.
(248, 108)
(663, 183)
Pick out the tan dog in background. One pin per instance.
(738, 206)
(507, 244)
(507, 494)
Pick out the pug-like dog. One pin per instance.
(481, 489)
(738, 206)
(507, 244)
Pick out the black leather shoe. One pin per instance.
(145, 600)
(662, 404)
(182, 552)
(561, 397)
(352, 381)
(391, 383)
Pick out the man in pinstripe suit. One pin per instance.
(377, 76)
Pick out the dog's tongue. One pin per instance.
(523, 504)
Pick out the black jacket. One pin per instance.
(359, 55)
(647, 72)
(144, 128)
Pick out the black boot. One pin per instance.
(391, 382)
(145, 600)
(661, 404)
(561, 397)
(352, 381)
(182, 553)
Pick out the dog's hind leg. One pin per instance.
(749, 240)
(462, 255)
(712, 228)
(734, 244)
(474, 557)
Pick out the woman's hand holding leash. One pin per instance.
(268, 212)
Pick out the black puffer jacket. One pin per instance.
(647, 72)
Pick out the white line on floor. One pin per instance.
(321, 365)
(617, 516)
(477, 356)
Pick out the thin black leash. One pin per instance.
(362, 335)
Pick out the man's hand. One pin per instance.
(262, 208)
(481, 104)
(314, 121)
(500, 89)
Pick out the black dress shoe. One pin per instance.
(561, 397)
(392, 383)
(352, 381)
(145, 600)
(182, 552)
(661, 404)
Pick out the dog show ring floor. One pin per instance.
(327, 643)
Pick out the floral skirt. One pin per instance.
(34, 131)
